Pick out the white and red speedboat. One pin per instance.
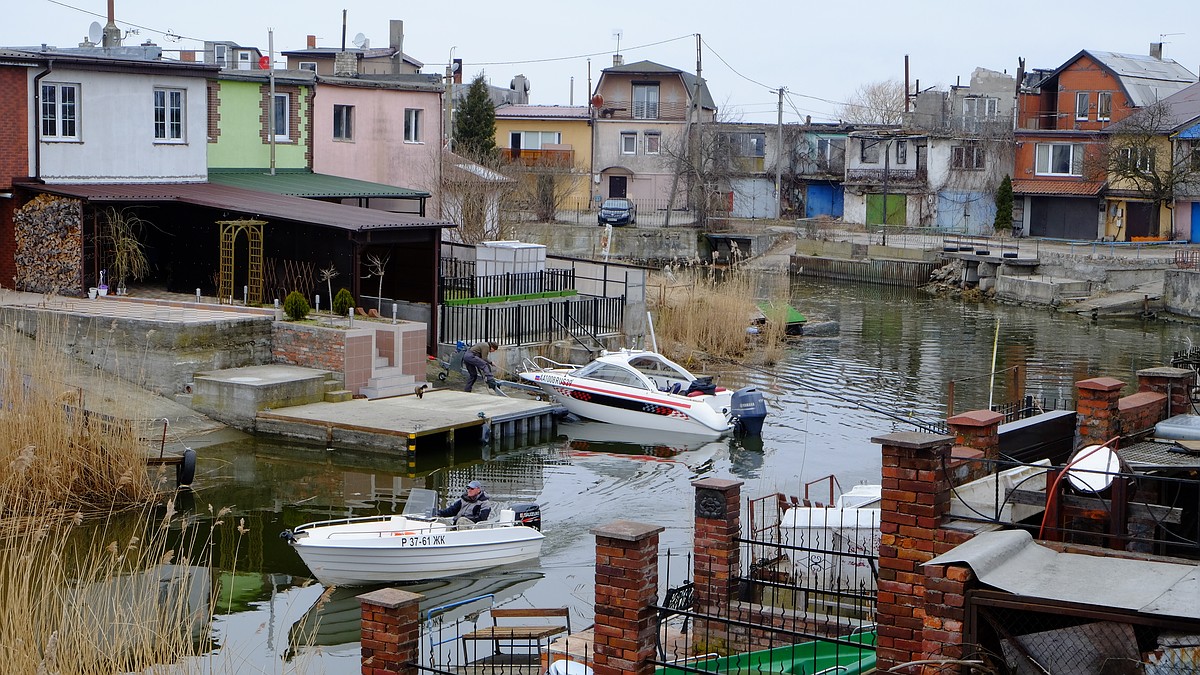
(644, 389)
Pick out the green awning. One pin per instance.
(305, 183)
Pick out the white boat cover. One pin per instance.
(1012, 561)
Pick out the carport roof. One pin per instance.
(305, 183)
(247, 202)
(1065, 188)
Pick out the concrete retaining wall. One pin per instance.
(1181, 292)
(629, 243)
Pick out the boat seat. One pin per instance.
(511, 642)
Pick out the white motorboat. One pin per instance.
(836, 544)
(644, 389)
(410, 547)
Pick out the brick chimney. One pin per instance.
(187, 55)
(345, 64)
(1156, 50)
(312, 42)
(618, 60)
(396, 42)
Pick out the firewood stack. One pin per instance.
(49, 238)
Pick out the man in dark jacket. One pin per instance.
(473, 507)
(476, 361)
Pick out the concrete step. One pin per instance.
(391, 390)
(339, 395)
(381, 362)
(390, 381)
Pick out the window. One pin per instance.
(979, 111)
(1059, 159)
(902, 152)
(870, 152)
(752, 145)
(412, 125)
(308, 65)
(533, 140)
(243, 60)
(967, 157)
(1104, 106)
(282, 132)
(343, 122)
(168, 114)
(1081, 105)
(653, 143)
(628, 143)
(60, 110)
(645, 101)
(1140, 160)
(1195, 149)
(221, 55)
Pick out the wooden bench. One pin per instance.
(528, 637)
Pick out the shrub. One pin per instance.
(295, 306)
(342, 302)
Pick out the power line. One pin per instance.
(167, 34)
(731, 68)
(578, 56)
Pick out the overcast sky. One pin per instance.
(819, 51)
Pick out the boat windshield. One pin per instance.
(653, 365)
(607, 372)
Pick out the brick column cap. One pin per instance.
(719, 484)
(976, 418)
(1165, 371)
(913, 439)
(390, 598)
(1101, 384)
(627, 530)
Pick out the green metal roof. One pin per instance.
(304, 183)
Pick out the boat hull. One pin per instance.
(404, 550)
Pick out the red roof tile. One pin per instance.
(1057, 187)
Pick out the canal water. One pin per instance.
(893, 361)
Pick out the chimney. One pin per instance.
(312, 41)
(457, 71)
(618, 60)
(345, 64)
(187, 55)
(396, 42)
(1156, 50)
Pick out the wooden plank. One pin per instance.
(1137, 510)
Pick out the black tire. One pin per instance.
(441, 377)
(185, 470)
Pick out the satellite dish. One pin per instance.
(1093, 469)
(95, 32)
(360, 41)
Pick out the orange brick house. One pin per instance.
(1058, 182)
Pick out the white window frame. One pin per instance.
(1140, 160)
(343, 122)
(1104, 106)
(1045, 155)
(1082, 101)
(535, 140)
(221, 55)
(968, 157)
(243, 60)
(643, 107)
(282, 111)
(412, 125)
(307, 65)
(169, 115)
(901, 153)
(628, 143)
(655, 147)
(59, 116)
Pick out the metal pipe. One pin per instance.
(37, 118)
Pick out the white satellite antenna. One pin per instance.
(361, 41)
(95, 33)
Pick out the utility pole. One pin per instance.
(779, 155)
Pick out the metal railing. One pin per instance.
(505, 285)
(530, 323)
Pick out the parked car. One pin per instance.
(618, 212)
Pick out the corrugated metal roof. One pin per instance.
(1183, 107)
(1011, 561)
(302, 183)
(1057, 187)
(248, 202)
(509, 111)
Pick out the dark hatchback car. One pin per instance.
(617, 212)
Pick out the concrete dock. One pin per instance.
(400, 423)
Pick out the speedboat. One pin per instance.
(644, 389)
(411, 547)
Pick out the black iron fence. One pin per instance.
(528, 323)
(462, 288)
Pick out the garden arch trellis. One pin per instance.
(254, 241)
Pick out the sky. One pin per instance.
(820, 52)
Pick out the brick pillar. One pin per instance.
(626, 591)
(716, 557)
(391, 632)
(1098, 410)
(1175, 383)
(945, 610)
(976, 438)
(916, 498)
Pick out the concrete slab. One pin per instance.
(235, 395)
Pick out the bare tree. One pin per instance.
(377, 267)
(880, 102)
(543, 183)
(471, 191)
(1137, 157)
(328, 274)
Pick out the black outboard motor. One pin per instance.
(528, 514)
(749, 410)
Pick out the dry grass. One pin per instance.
(701, 314)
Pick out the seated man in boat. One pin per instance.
(473, 507)
(476, 361)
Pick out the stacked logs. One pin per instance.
(49, 251)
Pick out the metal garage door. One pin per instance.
(753, 198)
(1064, 217)
(824, 200)
(968, 212)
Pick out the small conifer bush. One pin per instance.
(342, 302)
(295, 306)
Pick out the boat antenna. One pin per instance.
(995, 348)
(653, 340)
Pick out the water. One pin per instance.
(895, 355)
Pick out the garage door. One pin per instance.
(1064, 217)
(753, 198)
(968, 212)
(824, 200)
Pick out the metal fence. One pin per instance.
(529, 323)
(505, 285)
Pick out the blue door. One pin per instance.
(824, 200)
(966, 212)
(1195, 238)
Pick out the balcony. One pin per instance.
(641, 110)
(894, 176)
(556, 158)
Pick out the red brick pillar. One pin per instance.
(626, 591)
(716, 557)
(976, 443)
(916, 497)
(1175, 383)
(1098, 410)
(945, 609)
(391, 632)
